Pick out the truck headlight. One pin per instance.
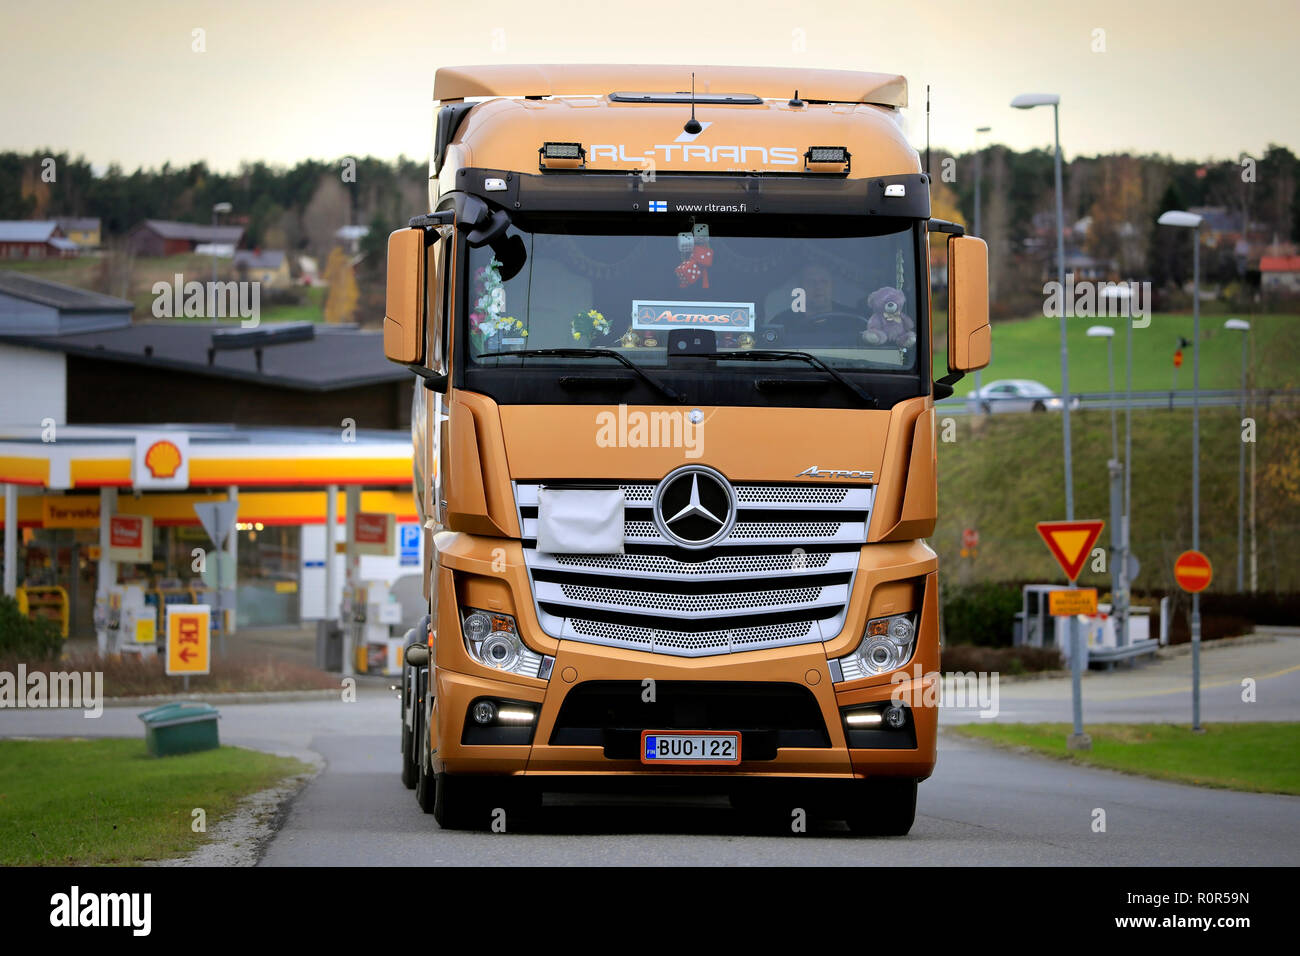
(887, 645)
(493, 639)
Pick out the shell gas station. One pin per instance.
(101, 533)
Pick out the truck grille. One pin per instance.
(781, 576)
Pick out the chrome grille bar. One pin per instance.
(615, 599)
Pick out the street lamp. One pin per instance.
(223, 208)
(1108, 333)
(1241, 325)
(979, 176)
(1027, 101)
(1190, 220)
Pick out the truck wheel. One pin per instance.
(459, 803)
(410, 759)
(882, 807)
(425, 782)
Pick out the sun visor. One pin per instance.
(580, 521)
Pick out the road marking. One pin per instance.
(1222, 683)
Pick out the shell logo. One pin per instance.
(162, 459)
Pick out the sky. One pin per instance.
(282, 80)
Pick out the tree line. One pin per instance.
(299, 208)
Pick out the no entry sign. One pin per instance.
(1193, 572)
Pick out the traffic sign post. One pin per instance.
(1070, 543)
(189, 640)
(218, 520)
(1072, 602)
(1193, 572)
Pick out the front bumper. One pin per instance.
(805, 667)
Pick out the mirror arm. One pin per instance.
(444, 217)
(433, 381)
(943, 386)
(943, 225)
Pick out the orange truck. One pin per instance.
(674, 448)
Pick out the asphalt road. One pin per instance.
(1162, 690)
(982, 807)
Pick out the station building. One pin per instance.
(302, 425)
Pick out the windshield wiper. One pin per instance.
(645, 376)
(776, 355)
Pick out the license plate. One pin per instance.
(690, 747)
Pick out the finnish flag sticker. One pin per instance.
(658, 205)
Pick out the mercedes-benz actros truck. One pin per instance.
(674, 439)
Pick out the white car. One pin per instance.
(1016, 395)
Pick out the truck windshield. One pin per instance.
(843, 290)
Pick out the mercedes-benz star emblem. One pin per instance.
(694, 506)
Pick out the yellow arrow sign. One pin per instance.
(189, 639)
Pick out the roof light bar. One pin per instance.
(561, 156)
(826, 156)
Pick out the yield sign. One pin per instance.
(217, 517)
(1070, 542)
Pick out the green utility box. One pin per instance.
(180, 728)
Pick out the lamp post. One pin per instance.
(1108, 333)
(979, 177)
(222, 208)
(1242, 326)
(1115, 469)
(1190, 220)
(1123, 293)
(1028, 101)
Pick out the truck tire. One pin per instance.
(410, 764)
(410, 753)
(460, 804)
(882, 807)
(410, 772)
(425, 780)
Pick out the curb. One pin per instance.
(1245, 640)
(242, 836)
(228, 697)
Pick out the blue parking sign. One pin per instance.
(409, 541)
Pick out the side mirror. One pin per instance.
(404, 309)
(970, 340)
(417, 655)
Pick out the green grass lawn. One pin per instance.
(1002, 473)
(94, 802)
(1255, 757)
(1031, 348)
(312, 310)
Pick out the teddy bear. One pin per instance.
(889, 324)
